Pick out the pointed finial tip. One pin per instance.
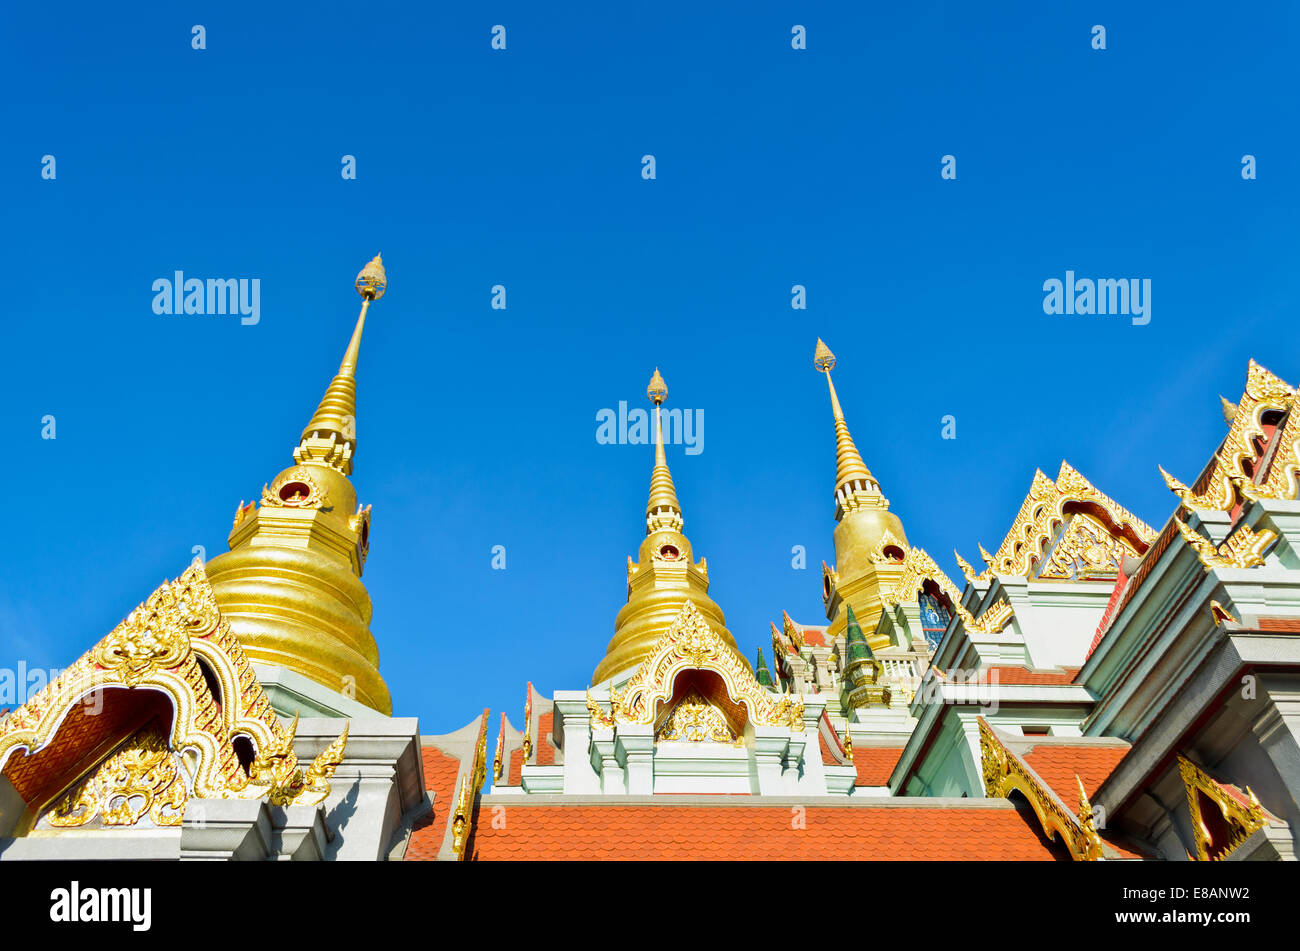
(372, 282)
(823, 359)
(657, 391)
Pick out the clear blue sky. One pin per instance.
(477, 427)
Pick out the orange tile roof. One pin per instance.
(639, 832)
(516, 774)
(875, 763)
(1279, 624)
(440, 772)
(816, 636)
(542, 745)
(1058, 764)
(1019, 676)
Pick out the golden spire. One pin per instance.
(662, 511)
(665, 575)
(291, 583)
(852, 477)
(331, 436)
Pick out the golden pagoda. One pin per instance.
(870, 543)
(665, 576)
(291, 582)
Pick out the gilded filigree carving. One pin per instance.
(917, 568)
(1085, 548)
(1242, 819)
(1244, 548)
(462, 817)
(689, 643)
(142, 777)
(159, 646)
(1042, 515)
(294, 488)
(1004, 772)
(695, 720)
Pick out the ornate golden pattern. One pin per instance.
(1244, 548)
(295, 489)
(1265, 392)
(462, 820)
(888, 540)
(1043, 513)
(159, 646)
(689, 643)
(1004, 772)
(696, 720)
(1219, 497)
(1242, 819)
(918, 567)
(528, 723)
(1086, 548)
(142, 777)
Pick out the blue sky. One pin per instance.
(523, 168)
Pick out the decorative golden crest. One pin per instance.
(1220, 614)
(823, 359)
(967, 571)
(498, 758)
(1044, 512)
(600, 720)
(462, 822)
(295, 489)
(657, 391)
(1243, 548)
(372, 280)
(312, 787)
(917, 568)
(887, 541)
(1004, 771)
(157, 633)
(689, 643)
(141, 778)
(695, 720)
(1218, 497)
(1242, 819)
(848, 741)
(528, 723)
(1085, 549)
(792, 632)
(159, 646)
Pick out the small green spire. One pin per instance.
(856, 647)
(761, 672)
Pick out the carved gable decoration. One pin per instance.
(171, 646)
(1222, 817)
(690, 644)
(1232, 474)
(918, 567)
(1066, 530)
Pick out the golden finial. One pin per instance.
(823, 359)
(848, 741)
(1229, 410)
(331, 437)
(372, 281)
(657, 391)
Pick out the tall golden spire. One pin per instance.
(853, 479)
(291, 583)
(331, 436)
(865, 527)
(665, 576)
(663, 510)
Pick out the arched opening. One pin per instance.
(688, 714)
(244, 751)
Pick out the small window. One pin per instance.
(1037, 730)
